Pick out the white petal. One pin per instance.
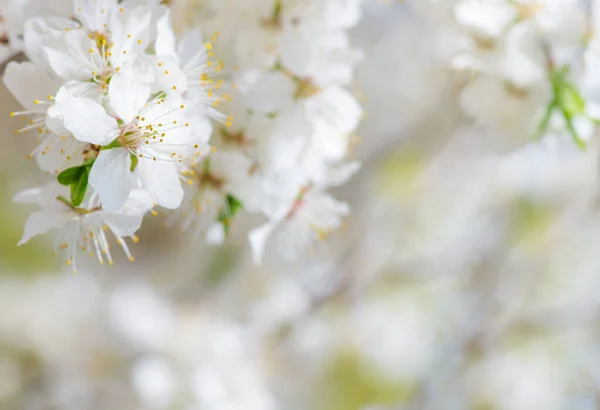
(258, 238)
(165, 38)
(130, 33)
(161, 180)
(88, 121)
(71, 58)
(38, 31)
(120, 224)
(43, 221)
(129, 90)
(112, 178)
(274, 91)
(168, 75)
(189, 51)
(337, 108)
(94, 14)
(29, 82)
(215, 235)
(138, 203)
(341, 174)
(29, 196)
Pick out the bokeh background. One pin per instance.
(465, 278)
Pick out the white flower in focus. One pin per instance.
(155, 133)
(84, 227)
(110, 35)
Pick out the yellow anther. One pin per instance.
(208, 46)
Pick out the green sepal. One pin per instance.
(114, 144)
(69, 175)
(134, 162)
(77, 179)
(231, 207)
(79, 188)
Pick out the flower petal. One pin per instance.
(88, 121)
(161, 180)
(38, 31)
(165, 38)
(29, 82)
(130, 33)
(112, 178)
(42, 221)
(129, 90)
(120, 224)
(258, 238)
(76, 57)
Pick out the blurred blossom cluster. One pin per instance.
(465, 276)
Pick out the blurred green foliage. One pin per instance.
(351, 384)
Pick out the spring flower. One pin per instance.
(311, 216)
(85, 227)
(149, 140)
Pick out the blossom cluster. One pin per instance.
(124, 109)
(293, 118)
(525, 68)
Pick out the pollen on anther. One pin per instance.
(139, 41)
(135, 239)
(174, 87)
(12, 114)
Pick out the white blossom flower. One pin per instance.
(154, 132)
(311, 216)
(84, 227)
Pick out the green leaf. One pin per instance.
(114, 144)
(570, 99)
(79, 189)
(234, 204)
(70, 175)
(134, 162)
(231, 207)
